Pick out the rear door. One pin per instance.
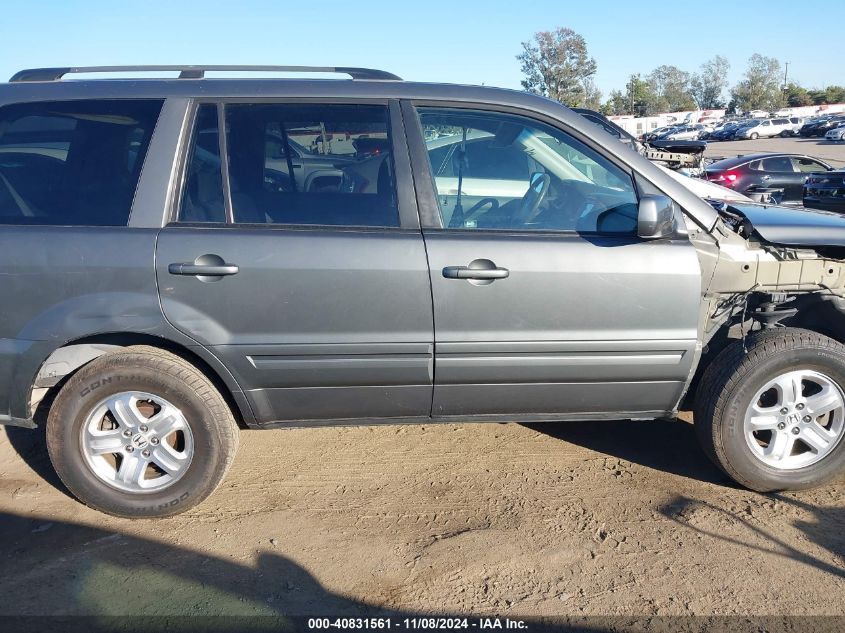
(313, 290)
(549, 304)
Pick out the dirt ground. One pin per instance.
(831, 152)
(606, 518)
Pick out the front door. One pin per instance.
(804, 166)
(547, 303)
(313, 290)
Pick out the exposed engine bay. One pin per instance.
(775, 267)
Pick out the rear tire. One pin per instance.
(733, 402)
(141, 433)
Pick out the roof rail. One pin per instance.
(198, 72)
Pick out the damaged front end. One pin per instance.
(771, 267)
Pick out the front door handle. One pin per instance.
(464, 272)
(194, 269)
(206, 267)
(479, 272)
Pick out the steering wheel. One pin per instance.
(538, 187)
(567, 204)
(475, 209)
(277, 182)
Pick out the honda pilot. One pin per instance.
(181, 258)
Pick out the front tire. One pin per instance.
(141, 433)
(774, 418)
(754, 136)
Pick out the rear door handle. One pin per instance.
(204, 266)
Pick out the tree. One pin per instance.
(796, 96)
(671, 87)
(641, 97)
(638, 99)
(556, 65)
(835, 94)
(592, 95)
(707, 85)
(616, 104)
(818, 97)
(761, 89)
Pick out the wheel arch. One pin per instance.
(817, 312)
(66, 360)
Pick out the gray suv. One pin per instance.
(183, 257)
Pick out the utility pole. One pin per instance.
(632, 94)
(785, 88)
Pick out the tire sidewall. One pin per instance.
(737, 452)
(75, 403)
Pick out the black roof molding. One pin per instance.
(198, 72)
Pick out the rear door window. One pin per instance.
(777, 163)
(73, 163)
(311, 164)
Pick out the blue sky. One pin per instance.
(461, 42)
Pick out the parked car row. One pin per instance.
(755, 128)
(820, 126)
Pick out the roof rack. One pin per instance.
(198, 72)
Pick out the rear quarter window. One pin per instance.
(73, 163)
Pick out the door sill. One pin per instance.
(456, 419)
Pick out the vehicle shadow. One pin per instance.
(825, 530)
(72, 577)
(819, 530)
(61, 568)
(666, 445)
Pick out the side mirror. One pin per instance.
(655, 217)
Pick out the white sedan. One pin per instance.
(836, 134)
